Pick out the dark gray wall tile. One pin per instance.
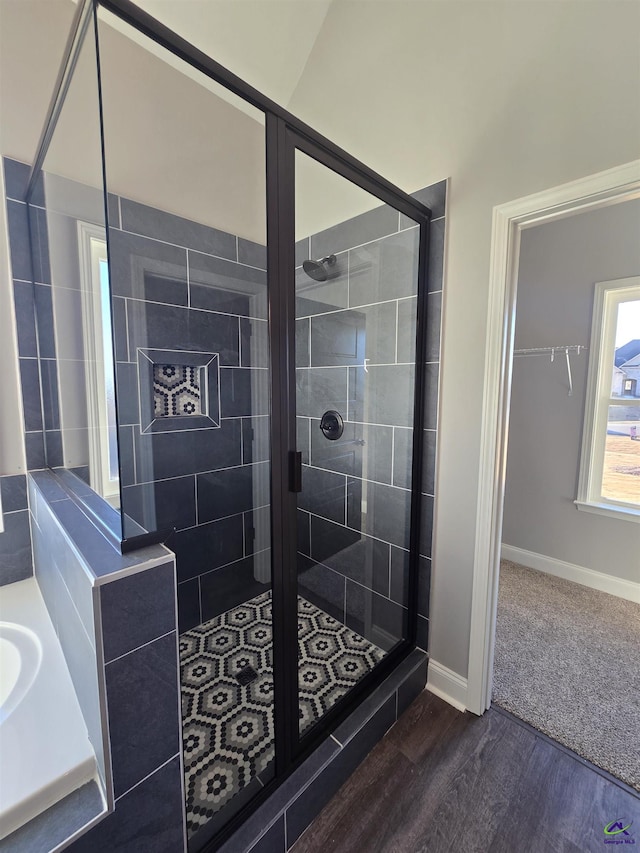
(367, 226)
(303, 532)
(431, 376)
(352, 554)
(383, 395)
(302, 251)
(142, 697)
(426, 525)
(256, 439)
(244, 392)
(424, 586)
(302, 342)
(113, 210)
(25, 319)
(429, 462)
(323, 493)
(39, 245)
(50, 400)
(361, 450)
(13, 490)
(348, 337)
(128, 393)
(234, 490)
(206, 547)
(165, 504)
(139, 824)
(252, 253)
(155, 223)
(34, 447)
(30, 382)
(399, 587)
(319, 389)
(156, 326)
(119, 322)
(226, 286)
(407, 330)
(188, 605)
(44, 320)
(436, 256)
(147, 269)
(16, 178)
(137, 609)
(175, 454)
(385, 269)
(254, 342)
(423, 633)
(257, 530)
(321, 586)
(19, 246)
(402, 457)
(434, 313)
(387, 515)
(228, 587)
(126, 455)
(15, 548)
(303, 426)
(53, 448)
(374, 617)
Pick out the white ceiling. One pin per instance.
(265, 42)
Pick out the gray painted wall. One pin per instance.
(559, 266)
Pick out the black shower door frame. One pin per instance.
(283, 140)
(286, 134)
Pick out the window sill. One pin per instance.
(612, 510)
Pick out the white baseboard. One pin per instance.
(570, 572)
(447, 684)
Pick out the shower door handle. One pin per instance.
(295, 471)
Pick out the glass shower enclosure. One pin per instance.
(240, 320)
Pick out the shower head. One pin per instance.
(317, 270)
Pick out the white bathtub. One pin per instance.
(45, 752)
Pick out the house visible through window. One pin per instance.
(610, 464)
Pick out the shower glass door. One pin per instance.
(356, 289)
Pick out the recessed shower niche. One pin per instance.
(264, 321)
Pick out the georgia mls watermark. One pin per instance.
(617, 832)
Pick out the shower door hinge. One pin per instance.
(295, 471)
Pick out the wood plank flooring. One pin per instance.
(443, 781)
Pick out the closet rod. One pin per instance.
(567, 348)
(577, 348)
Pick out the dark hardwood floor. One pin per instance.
(442, 781)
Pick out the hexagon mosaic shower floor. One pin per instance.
(227, 694)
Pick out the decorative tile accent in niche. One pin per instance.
(176, 390)
(179, 390)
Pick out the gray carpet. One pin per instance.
(567, 661)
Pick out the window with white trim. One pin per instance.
(609, 481)
(99, 366)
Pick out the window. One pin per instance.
(103, 443)
(609, 481)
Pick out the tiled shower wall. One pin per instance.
(368, 296)
(34, 322)
(182, 288)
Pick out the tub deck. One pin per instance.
(44, 744)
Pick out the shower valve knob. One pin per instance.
(332, 425)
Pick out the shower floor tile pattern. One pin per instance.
(228, 732)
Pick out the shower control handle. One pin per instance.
(332, 425)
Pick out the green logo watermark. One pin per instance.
(617, 833)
